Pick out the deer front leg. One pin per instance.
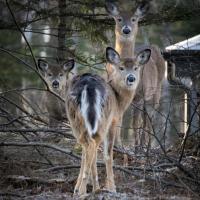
(90, 148)
(108, 157)
(118, 139)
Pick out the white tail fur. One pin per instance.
(91, 112)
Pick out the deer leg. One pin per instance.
(76, 189)
(95, 180)
(157, 97)
(137, 123)
(118, 139)
(108, 157)
(90, 148)
(145, 138)
(149, 132)
(148, 119)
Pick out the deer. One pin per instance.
(152, 73)
(57, 77)
(95, 107)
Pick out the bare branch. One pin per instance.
(46, 145)
(38, 130)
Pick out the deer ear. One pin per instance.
(111, 8)
(112, 56)
(143, 56)
(42, 65)
(68, 65)
(142, 9)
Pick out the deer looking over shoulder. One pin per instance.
(94, 108)
(152, 74)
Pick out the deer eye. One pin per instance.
(121, 68)
(135, 68)
(60, 75)
(132, 19)
(49, 74)
(119, 19)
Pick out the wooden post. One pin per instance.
(193, 107)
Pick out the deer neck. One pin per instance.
(61, 92)
(125, 46)
(123, 96)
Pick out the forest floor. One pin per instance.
(47, 173)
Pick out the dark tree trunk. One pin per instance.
(62, 28)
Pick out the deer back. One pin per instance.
(90, 105)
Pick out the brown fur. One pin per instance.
(152, 74)
(148, 93)
(118, 97)
(90, 145)
(55, 106)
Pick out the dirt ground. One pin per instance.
(41, 173)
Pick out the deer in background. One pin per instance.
(152, 74)
(94, 109)
(56, 76)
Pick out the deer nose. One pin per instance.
(130, 79)
(55, 84)
(126, 30)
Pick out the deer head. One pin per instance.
(126, 19)
(125, 73)
(55, 75)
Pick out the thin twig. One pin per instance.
(46, 145)
(7, 194)
(37, 72)
(38, 130)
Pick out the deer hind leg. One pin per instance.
(157, 96)
(137, 125)
(78, 183)
(149, 112)
(95, 180)
(108, 157)
(147, 131)
(90, 148)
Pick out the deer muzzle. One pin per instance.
(55, 84)
(126, 30)
(130, 79)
